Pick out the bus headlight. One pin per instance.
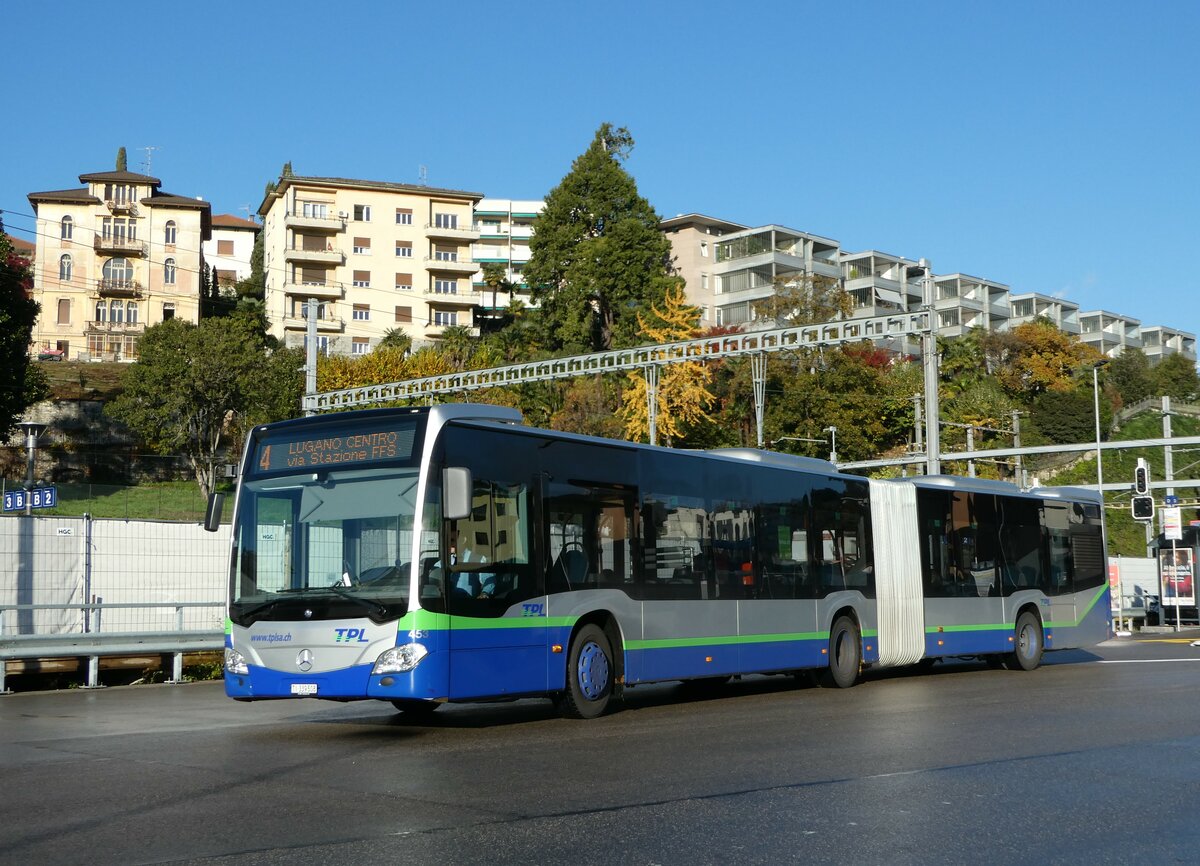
(235, 662)
(400, 659)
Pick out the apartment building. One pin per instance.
(1027, 306)
(693, 240)
(505, 226)
(229, 249)
(963, 302)
(747, 265)
(114, 257)
(373, 256)
(1159, 341)
(1109, 333)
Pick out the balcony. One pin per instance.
(117, 206)
(326, 325)
(325, 256)
(116, 328)
(303, 220)
(456, 232)
(323, 290)
(110, 288)
(115, 245)
(452, 299)
(452, 263)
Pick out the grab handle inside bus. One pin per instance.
(456, 491)
(212, 515)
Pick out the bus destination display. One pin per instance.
(334, 449)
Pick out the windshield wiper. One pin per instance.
(269, 603)
(378, 608)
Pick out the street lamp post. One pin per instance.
(32, 431)
(1096, 401)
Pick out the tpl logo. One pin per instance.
(350, 635)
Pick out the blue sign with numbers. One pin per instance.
(38, 497)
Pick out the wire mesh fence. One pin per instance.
(71, 575)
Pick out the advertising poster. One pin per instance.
(1178, 576)
(1114, 587)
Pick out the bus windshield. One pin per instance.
(324, 545)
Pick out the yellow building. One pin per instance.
(374, 256)
(113, 258)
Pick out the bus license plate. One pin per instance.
(303, 689)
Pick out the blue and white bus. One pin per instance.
(450, 553)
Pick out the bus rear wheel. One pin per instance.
(589, 674)
(845, 654)
(1027, 649)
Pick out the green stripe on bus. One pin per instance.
(228, 626)
(992, 626)
(724, 640)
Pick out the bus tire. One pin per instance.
(1027, 643)
(845, 654)
(589, 674)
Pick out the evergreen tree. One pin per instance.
(1175, 377)
(122, 164)
(597, 253)
(1130, 374)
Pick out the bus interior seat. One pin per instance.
(569, 571)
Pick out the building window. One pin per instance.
(704, 249)
(360, 346)
(68, 228)
(404, 249)
(445, 220)
(131, 313)
(361, 313)
(403, 216)
(404, 282)
(168, 312)
(445, 254)
(362, 279)
(403, 314)
(362, 213)
(169, 272)
(445, 287)
(322, 344)
(226, 278)
(362, 246)
(704, 282)
(101, 310)
(116, 312)
(445, 318)
(169, 233)
(64, 269)
(322, 310)
(64, 311)
(315, 209)
(118, 273)
(224, 248)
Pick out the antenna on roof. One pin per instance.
(422, 175)
(246, 208)
(149, 148)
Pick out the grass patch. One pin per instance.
(83, 380)
(161, 500)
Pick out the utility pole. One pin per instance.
(929, 363)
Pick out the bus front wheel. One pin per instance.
(845, 654)
(589, 674)
(1027, 649)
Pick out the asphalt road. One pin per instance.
(1093, 758)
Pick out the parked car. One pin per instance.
(50, 355)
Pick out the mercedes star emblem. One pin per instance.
(304, 660)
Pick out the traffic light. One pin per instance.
(1141, 477)
(1142, 507)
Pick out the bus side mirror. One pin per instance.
(456, 492)
(212, 515)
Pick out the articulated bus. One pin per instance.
(450, 553)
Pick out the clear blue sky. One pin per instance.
(1050, 146)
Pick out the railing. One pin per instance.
(125, 288)
(118, 244)
(95, 643)
(116, 206)
(93, 326)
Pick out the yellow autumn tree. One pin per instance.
(683, 396)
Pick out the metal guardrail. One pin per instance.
(94, 644)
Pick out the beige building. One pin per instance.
(693, 254)
(374, 256)
(113, 258)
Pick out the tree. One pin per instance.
(395, 338)
(597, 254)
(21, 383)
(254, 286)
(122, 164)
(803, 299)
(1040, 358)
(1131, 375)
(495, 277)
(682, 396)
(195, 385)
(1175, 377)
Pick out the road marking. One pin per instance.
(1141, 661)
